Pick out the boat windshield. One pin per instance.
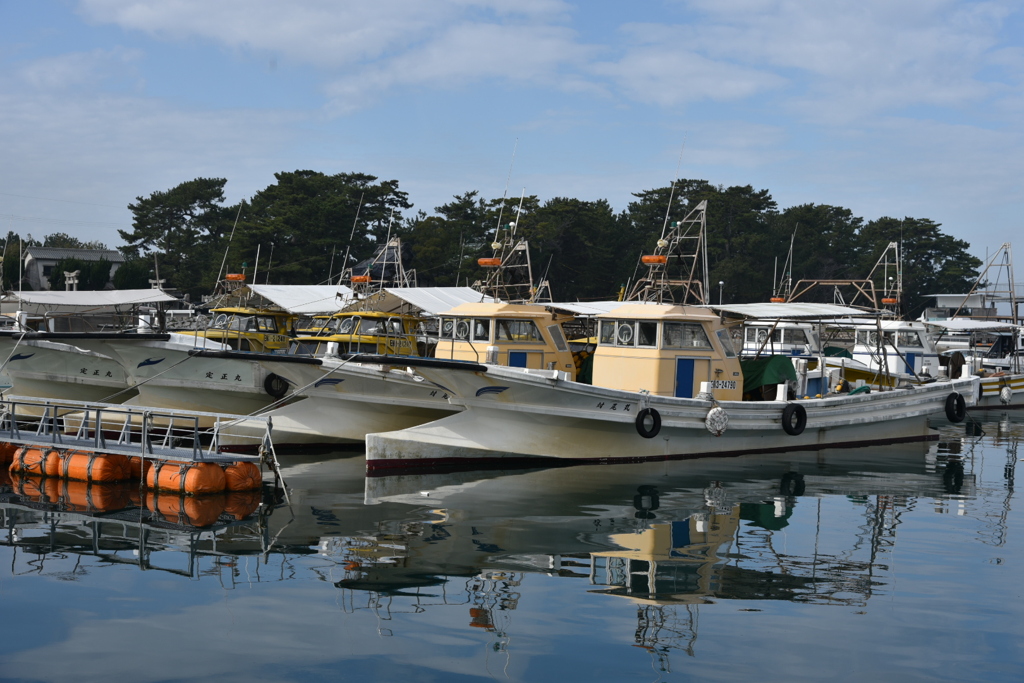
(687, 336)
(517, 331)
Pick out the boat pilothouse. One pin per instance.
(372, 332)
(896, 347)
(517, 335)
(796, 339)
(667, 352)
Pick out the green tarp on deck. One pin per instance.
(765, 371)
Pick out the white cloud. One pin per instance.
(80, 69)
(860, 57)
(325, 33)
(668, 75)
(464, 54)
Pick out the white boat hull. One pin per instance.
(346, 401)
(46, 369)
(515, 414)
(167, 376)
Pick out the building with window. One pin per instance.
(40, 262)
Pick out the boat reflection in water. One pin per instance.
(672, 538)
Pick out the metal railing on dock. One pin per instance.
(134, 430)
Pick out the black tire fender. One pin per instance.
(275, 385)
(641, 423)
(956, 407)
(791, 426)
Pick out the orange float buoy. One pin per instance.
(7, 451)
(44, 462)
(777, 300)
(242, 476)
(889, 301)
(85, 496)
(654, 259)
(36, 488)
(489, 262)
(186, 510)
(360, 278)
(135, 463)
(97, 467)
(235, 277)
(241, 504)
(193, 478)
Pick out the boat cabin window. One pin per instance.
(558, 337)
(909, 338)
(686, 336)
(266, 323)
(395, 326)
(517, 331)
(628, 333)
(794, 336)
(757, 335)
(373, 327)
(304, 348)
(241, 323)
(466, 329)
(347, 325)
(781, 335)
(870, 338)
(726, 341)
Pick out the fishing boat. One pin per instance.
(345, 398)
(667, 383)
(999, 367)
(41, 354)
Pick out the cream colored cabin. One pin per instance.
(516, 335)
(667, 350)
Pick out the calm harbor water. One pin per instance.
(897, 563)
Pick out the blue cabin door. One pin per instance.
(911, 362)
(517, 359)
(684, 377)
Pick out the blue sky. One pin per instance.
(910, 108)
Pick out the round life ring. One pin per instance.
(275, 385)
(624, 335)
(717, 420)
(794, 419)
(641, 423)
(956, 407)
(1005, 395)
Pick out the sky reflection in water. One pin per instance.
(894, 563)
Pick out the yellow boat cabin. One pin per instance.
(371, 332)
(667, 350)
(516, 335)
(251, 329)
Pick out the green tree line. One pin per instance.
(299, 229)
